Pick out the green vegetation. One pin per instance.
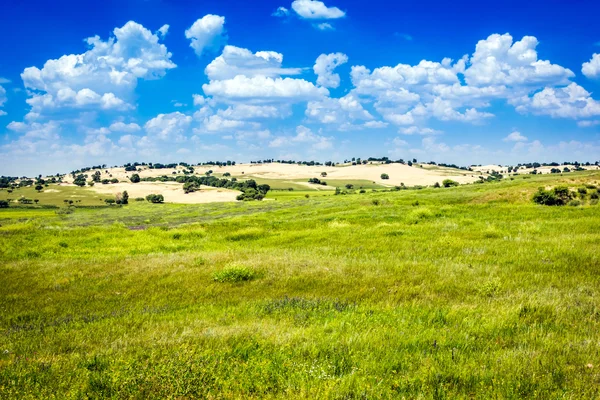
(449, 183)
(155, 198)
(54, 195)
(474, 292)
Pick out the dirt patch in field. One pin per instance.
(172, 192)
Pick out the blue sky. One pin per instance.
(169, 81)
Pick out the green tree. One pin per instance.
(135, 178)
(385, 176)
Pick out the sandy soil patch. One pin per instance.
(172, 192)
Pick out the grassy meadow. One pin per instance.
(465, 292)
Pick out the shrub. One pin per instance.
(575, 203)
(135, 178)
(155, 198)
(385, 176)
(234, 274)
(362, 191)
(437, 185)
(139, 199)
(4, 204)
(190, 187)
(558, 196)
(449, 183)
(376, 202)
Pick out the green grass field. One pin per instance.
(54, 195)
(467, 292)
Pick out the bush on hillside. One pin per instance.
(558, 196)
(155, 198)
(449, 183)
(4, 204)
(385, 176)
(135, 178)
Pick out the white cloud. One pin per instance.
(303, 136)
(515, 137)
(207, 34)
(163, 30)
(415, 130)
(36, 138)
(324, 26)
(236, 61)
(337, 110)
(572, 101)
(499, 69)
(499, 61)
(248, 111)
(216, 123)
(169, 127)
(261, 89)
(399, 142)
(124, 128)
(591, 69)
(375, 124)
(105, 75)
(281, 12)
(199, 100)
(2, 99)
(587, 124)
(314, 9)
(324, 67)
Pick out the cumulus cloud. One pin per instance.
(169, 127)
(34, 138)
(303, 136)
(262, 89)
(163, 30)
(105, 76)
(499, 61)
(324, 67)
(515, 137)
(281, 12)
(339, 111)
(207, 34)
(571, 101)
(591, 69)
(236, 61)
(499, 69)
(123, 127)
(314, 9)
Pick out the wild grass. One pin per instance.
(474, 292)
